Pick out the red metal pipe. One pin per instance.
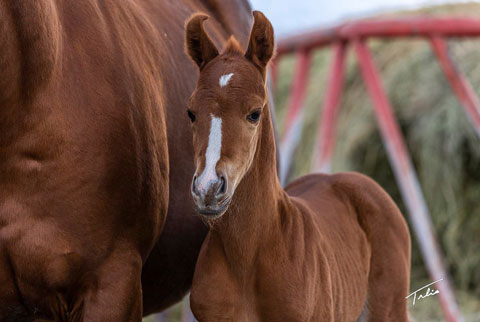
(451, 27)
(273, 74)
(408, 182)
(307, 40)
(327, 126)
(458, 82)
(294, 118)
(426, 27)
(298, 90)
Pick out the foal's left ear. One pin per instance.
(199, 46)
(261, 44)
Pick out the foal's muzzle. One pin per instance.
(211, 199)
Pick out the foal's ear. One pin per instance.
(199, 46)
(261, 43)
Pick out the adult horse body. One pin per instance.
(328, 248)
(93, 149)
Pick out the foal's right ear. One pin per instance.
(199, 46)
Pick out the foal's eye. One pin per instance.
(191, 115)
(254, 116)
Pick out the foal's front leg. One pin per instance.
(215, 293)
(117, 295)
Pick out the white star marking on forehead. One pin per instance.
(224, 79)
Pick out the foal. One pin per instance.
(328, 248)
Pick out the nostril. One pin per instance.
(222, 189)
(194, 185)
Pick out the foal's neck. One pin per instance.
(253, 213)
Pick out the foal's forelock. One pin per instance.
(212, 155)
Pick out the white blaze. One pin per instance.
(224, 79)
(209, 175)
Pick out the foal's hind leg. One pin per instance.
(388, 287)
(10, 306)
(387, 231)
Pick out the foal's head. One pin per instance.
(226, 110)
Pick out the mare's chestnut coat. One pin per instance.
(95, 148)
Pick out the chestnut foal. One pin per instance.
(329, 248)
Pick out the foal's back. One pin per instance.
(364, 239)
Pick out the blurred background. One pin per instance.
(443, 144)
(289, 16)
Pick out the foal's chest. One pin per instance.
(268, 296)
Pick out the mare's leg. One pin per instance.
(10, 306)
(117, 294)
